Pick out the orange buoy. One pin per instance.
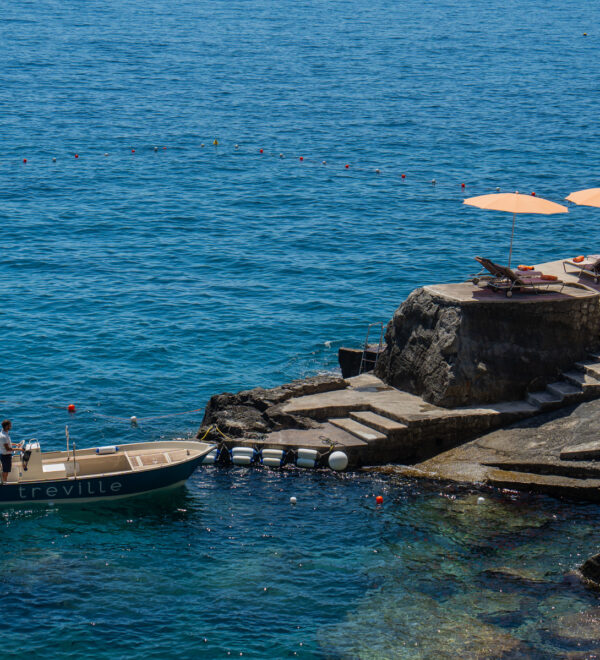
(133, 151)
(260, 151)
(578, 259)
(76, 155)
(462, 185)
(71, 407)
(301, 158)
(533, 194)
(347, 166)
(24, 160)
(404, 176)
(379, 499)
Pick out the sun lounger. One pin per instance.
(507, 280)
(589, 266)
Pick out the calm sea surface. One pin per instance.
(141, 282)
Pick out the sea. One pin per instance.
(207, 196)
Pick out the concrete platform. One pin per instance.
(552, 454)
(577, 286)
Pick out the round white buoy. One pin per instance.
(237, 146)
(54, 160)
(155, 148)
(106, 154)
(133, 420)
(338, 461)
(480, 500)
(293, 500)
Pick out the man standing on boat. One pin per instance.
(6, 449)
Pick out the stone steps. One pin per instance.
(567, 391)
(589, 385)
(589, 367)
(362, 432)
(544, 399)
(379, 423)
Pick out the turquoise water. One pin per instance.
(142, 283)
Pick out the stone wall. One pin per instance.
(456, 353)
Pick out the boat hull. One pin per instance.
(98, 488)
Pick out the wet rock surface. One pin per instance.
(252, 413)
(459, 352)
(590, 571)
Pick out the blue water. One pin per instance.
(141, 283)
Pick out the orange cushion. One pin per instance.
(521, 267)
(578, 259)
(550, 278)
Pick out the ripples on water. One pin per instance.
(143, 283)
(229, 567)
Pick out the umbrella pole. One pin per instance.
(511, 239)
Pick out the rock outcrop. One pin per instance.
(252, 413)
(455, 352)
(590, 571)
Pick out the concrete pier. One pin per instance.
(541, 347)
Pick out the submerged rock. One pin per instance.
(590, 571)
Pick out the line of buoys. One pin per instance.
(262, 151)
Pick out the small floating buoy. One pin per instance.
(133, 420)
(403, 176)
(338, 461)
(324, 162)
(280, 155)
(307, 458)
(106, 154)
(211, 458)
(24, 160)
(54, 160)
(480, 500)
(202, 145)
(260, 151)
(462, 185)
(497, 189)
(71, 407)
(379, 499)
(533, 194)
(301, 158)
(347, 166)
(433, 182)
(155, 148)
(133, 151)
(377, 171)
(236, 146)
(216, 142)
(293, 500)
(76, 155)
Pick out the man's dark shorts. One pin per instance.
(6, 462)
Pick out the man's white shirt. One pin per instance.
(4, 440)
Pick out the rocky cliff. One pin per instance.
(455, 352)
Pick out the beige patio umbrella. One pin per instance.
(515, 203)
(588, 197)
